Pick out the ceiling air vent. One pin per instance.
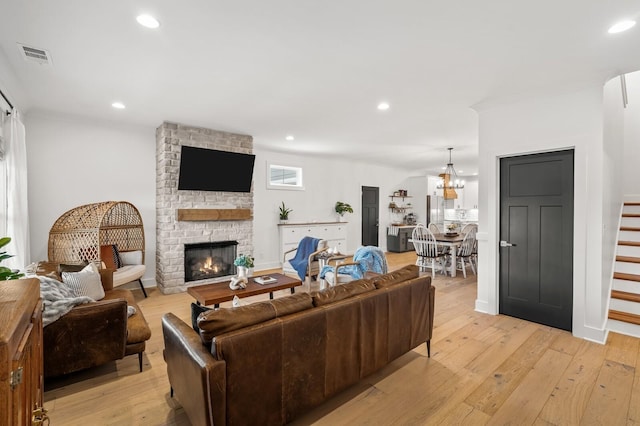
(34, 54)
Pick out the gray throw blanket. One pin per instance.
(58, 299)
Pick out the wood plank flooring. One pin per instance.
(483, 369)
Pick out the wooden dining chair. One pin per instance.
(465, 252)
(427, 250)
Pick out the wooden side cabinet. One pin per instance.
(21, 365)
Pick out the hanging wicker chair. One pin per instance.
(78, 234)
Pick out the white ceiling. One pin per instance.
(315, 69)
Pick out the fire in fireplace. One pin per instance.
(209, 260)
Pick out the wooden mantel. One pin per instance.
(193, 215)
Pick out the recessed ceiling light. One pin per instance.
(147, 21)
(460, 171)
(118, 105)
(383, 106)
(289, 138)
(621, 26)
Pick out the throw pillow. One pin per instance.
(85, 283)
(72, 267)
(110, 256)
(131, 257)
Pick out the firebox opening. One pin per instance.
(209, 260)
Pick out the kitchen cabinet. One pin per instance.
(398, 239)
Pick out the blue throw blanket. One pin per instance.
(300, 261)
(369, 259)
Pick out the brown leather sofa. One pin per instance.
(269, 362)
(94, 333)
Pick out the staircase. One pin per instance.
(624, 309)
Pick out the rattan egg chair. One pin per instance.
(78, 234)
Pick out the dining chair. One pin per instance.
(434, 228)
(465, 252)
(468, 227)
(427, 250)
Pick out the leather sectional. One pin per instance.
(269, 362)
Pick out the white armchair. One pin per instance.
(313, 267)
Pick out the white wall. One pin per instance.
(569, 120)
(631, 177)
(326, 180)
(74, 161)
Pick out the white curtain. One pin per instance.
(14, 211)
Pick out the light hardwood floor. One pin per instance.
(483, 369)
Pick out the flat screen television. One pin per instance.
(204, 169)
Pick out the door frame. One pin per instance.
(488, 236)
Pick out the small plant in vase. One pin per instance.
(451, 228)
(342, 208)
(243, 262)
(284, 213)
(6, 273)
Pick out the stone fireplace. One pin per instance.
(186, 218)
(209, 260)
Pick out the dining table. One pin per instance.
(453, 242)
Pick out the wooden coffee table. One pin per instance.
(216, 293)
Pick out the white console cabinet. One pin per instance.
(291, 234)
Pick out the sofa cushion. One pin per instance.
(196, 310)
(399, 275)
(291, 304)
(137, 328)
(223, 320)
(128, 273)
(341, 292)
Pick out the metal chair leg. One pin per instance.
(143, 290)
(140, 360)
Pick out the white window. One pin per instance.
(284, 177)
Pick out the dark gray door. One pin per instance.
(536, 238)
(370, 211)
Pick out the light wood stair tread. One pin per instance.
(628, 259)
(630, 214)
(629, 228)
(632, 204)
(629, 243)
(625, 317)
(625, 295)
(627, 277)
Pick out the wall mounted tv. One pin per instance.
(212, 170)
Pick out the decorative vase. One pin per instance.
(283, 221)
(242, 271)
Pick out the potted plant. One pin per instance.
(342, 208)
(284, 213)
(6, 273)
(243, 262)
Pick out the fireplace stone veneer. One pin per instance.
(171, 233)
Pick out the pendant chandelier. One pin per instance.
(449, 179)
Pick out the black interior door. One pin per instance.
(370, 212)
(536, 238)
